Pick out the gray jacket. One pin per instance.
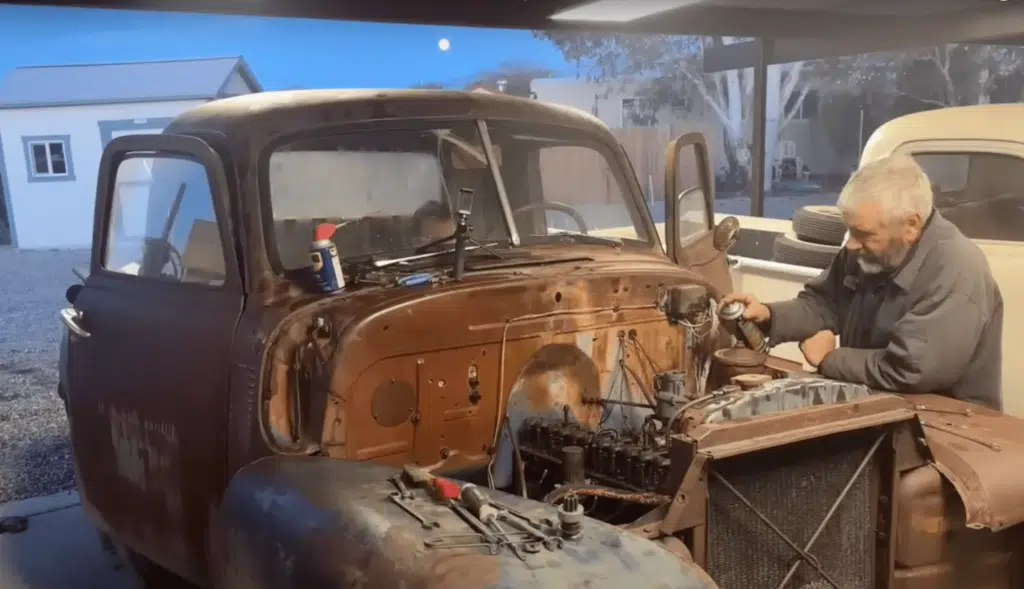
(933, 326)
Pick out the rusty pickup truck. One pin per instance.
(493, 394)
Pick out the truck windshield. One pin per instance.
(390, 191)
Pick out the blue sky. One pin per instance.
(282, 52)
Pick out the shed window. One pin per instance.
(48, 158)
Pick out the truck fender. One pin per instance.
(311, 522)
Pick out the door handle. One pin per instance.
(71, 319)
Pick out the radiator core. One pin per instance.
(794, 487)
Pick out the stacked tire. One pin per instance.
(817, 236)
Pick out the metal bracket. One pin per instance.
(681, 510)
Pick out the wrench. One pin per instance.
(551, 542)
(529, 525)
(402, 489)
(396, 498)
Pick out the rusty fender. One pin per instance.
(317, 522)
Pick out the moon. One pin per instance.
(444, 44)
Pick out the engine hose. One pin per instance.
(642, 498)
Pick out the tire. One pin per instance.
(790, 250)
(819, 224)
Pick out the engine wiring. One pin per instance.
(501, 407)
(705, 325)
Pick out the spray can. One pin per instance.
(732, 315)
(325, 263)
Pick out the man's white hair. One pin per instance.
(896, 182)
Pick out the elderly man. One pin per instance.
(912, 299)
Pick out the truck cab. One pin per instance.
(235, 425)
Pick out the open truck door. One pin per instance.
(149, 341)
(691, 237)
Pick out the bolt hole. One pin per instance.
(558, 297)
(385, 328)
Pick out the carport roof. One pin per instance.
(116, 83)
(802, 29)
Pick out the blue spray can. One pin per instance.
(326, 264)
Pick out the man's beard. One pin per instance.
(888, 261)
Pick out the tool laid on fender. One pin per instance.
(483, 516)
(397, 499)
(491, 513)
(442, 488)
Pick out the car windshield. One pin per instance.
(391, 191)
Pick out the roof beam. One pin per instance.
(998, 24)
(528, 14)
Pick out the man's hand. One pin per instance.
(819, 345)
(756, 312)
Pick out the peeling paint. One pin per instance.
(146, 455)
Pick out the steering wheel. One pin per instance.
(173, 255)
(551, 205)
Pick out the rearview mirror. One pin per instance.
(726, 233)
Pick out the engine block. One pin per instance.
(607, 458)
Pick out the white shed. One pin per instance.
(56, 120)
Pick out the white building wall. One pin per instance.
(59, 214)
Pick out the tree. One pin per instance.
(670, 66)
(962, 74)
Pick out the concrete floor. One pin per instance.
(59, 550)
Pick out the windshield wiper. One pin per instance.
(445, 252)
(575, 237)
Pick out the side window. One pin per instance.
(162, 222)
(582, 178)
(982, 193)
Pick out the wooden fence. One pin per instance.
(577, 175)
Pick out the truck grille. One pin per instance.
(795, 493)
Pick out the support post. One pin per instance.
(757, 163)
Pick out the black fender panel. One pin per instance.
(308, 523)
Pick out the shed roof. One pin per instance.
(116, 83)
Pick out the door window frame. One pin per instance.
(673, 240)
(125, 147)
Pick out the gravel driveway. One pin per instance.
(35, 456)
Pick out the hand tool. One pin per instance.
(396, 498)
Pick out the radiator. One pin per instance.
(794, 487)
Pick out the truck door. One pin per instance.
(150, 333)
(691, 238)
